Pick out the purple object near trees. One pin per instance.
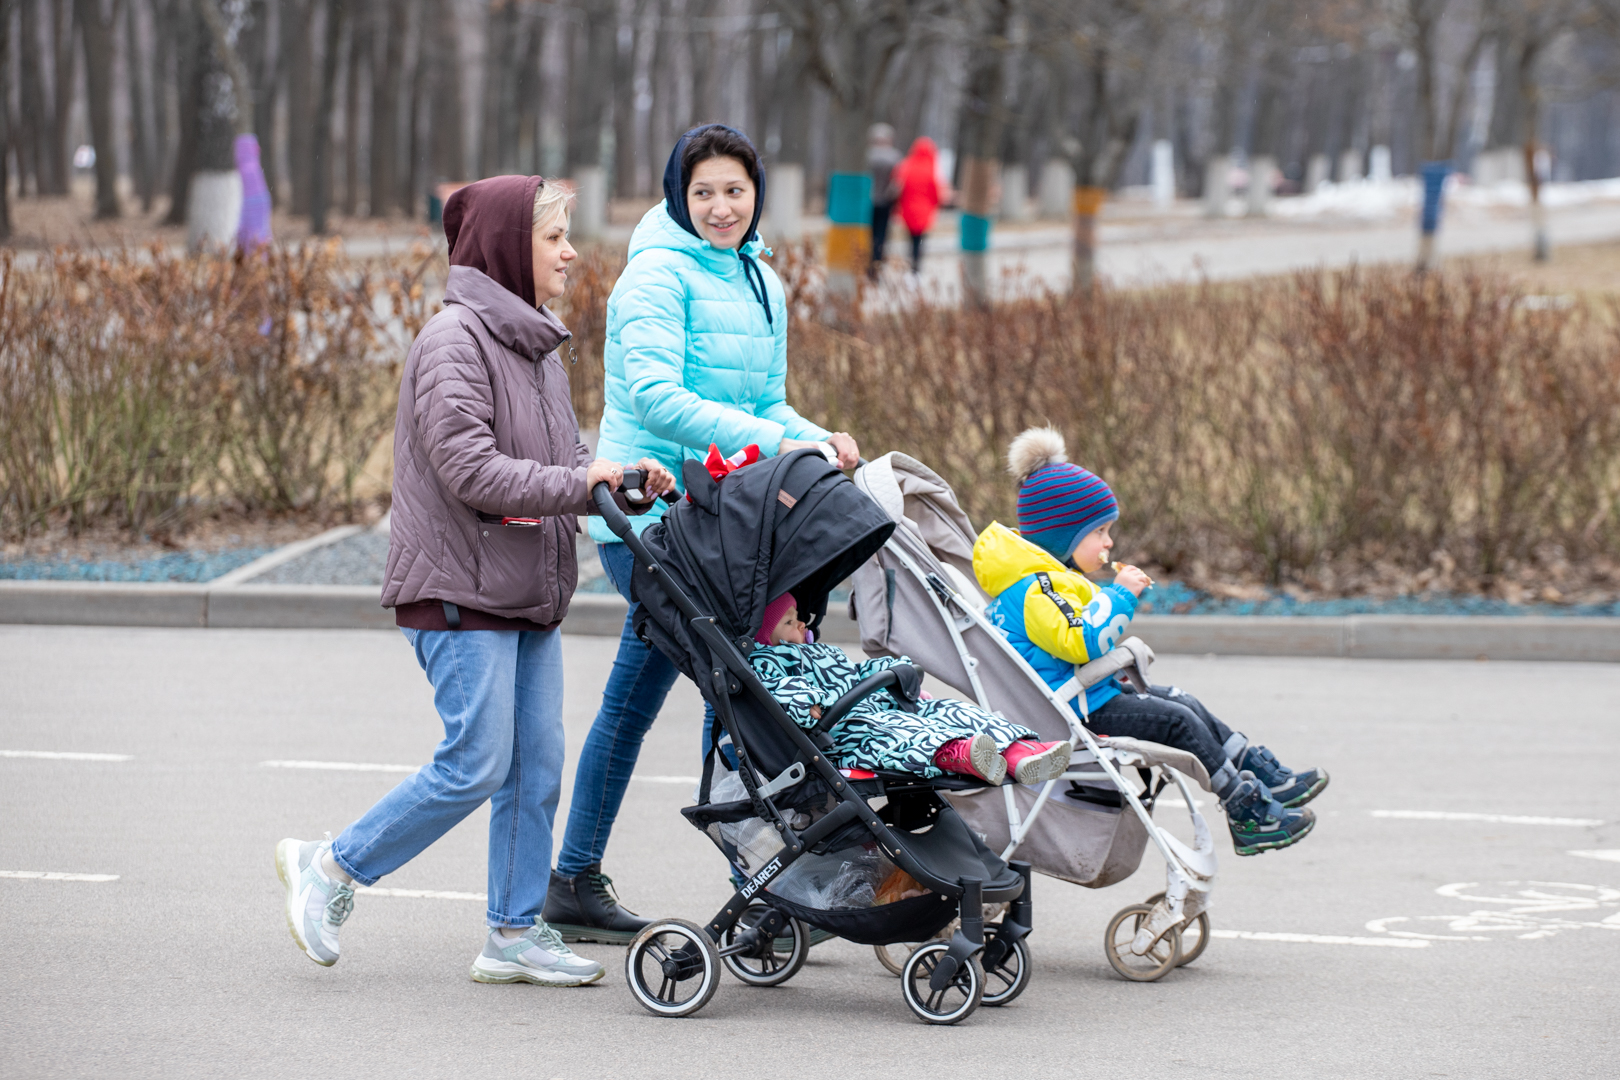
(253, 229)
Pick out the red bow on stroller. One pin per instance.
(719, 465)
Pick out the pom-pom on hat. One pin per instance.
(773, 615)
(1058, 503)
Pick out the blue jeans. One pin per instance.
(635, 691)
(499, 693)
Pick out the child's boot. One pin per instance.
(1032, 762)
(975, 757)
(1292, 789)
(1259, 822)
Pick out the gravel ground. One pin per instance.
(184, 566)
(357, 560)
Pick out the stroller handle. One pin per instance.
(618, 522)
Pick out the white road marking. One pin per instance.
(1321, 939)
(1498, 819)
(1606, 856)
(341, 766)
(55, 875)
(422, 894)
(64, 755)
(651, 779)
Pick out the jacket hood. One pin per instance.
(490, 227)
(525, 329)
(676, 178)
(923, 149)
(1002, 558)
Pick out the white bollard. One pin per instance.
(213, 209)
(1349, 166)
(1014, 193)
(1162, 176)
(1262, 177)
(1317, 172)
(1217, 185)
(784, 203)
(1057, 190)
(590, 202)
(1380, 169)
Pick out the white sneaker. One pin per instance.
(539, 957)
(316, 905)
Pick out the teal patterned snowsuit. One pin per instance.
(875, 734)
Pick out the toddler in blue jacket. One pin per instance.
(1059, 619)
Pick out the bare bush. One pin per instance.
(140, 385)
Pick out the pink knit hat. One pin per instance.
(773, 615)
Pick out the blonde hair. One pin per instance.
(554, 197)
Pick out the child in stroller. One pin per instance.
(1056, 618)
(940, 736)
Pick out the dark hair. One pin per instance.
(719, 141)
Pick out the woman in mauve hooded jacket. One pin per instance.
(696, 354)
(489, 479)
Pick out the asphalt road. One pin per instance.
(182, 965)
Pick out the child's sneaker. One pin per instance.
(538, 957)
(316, 905)
(975, 757)
(1292, 789)
(1032, 762)
(1259, 822)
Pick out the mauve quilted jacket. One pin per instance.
(485, 424)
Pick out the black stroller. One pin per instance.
(703, 576)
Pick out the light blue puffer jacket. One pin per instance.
(690, 357)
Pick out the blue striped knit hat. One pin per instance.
(1058, 503)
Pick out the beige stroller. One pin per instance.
(918, 597)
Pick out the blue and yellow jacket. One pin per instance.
(1055, 617)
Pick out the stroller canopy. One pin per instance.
(790, 523)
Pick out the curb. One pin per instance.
(355, 607)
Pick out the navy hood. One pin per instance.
(676, 178)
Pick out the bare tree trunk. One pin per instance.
(385, 85)
(188, 41)
(5, 119)
(983, 121)
(142, 167)
(588, 106)
(624, 102)
(62, 29)
(29, 104)
(34, 106)
(498, 58)
(266, 67)
(320, 158)
(161, 78)
(1530, 95)
(96, 33)
(411, 180)
(297, 17)
(446, 147)
(359, 51)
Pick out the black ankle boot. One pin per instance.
(584, 908)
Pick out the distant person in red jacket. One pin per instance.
(917, 178)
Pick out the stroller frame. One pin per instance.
(1189, 870)
(746, 934)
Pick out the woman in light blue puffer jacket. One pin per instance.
(696, 354)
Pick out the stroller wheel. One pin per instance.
(948, 1006)
(672, 968)
(893, 957)
(1156, 962)
(1194, 935)
(1008, 978)
(777, 964)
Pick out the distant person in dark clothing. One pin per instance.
(881, 158)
